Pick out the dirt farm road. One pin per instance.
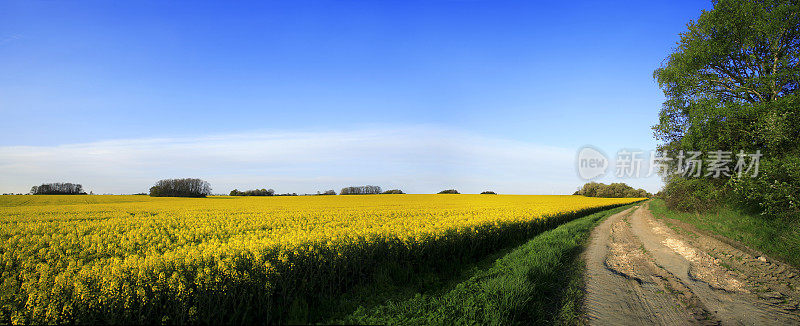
(646, 271)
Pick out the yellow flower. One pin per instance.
(107, 249)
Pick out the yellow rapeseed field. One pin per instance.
(132, 259)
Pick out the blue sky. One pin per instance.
(400, 80)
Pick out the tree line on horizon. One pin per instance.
(614, 190)
(361, 190)
(254, 192)
(186, 187)
(58, 188)
(198, 188)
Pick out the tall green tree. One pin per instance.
(732, 84)
(732, 71)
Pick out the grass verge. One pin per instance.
(777, 238)
(537, 282)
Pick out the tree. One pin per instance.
(360, 190)
(58, 188)
(188, 187)
(614, 190)
(730, 85)
(730, 69)
(449, 191)
(255, 192)
(590, 189)
(393, 192)
(488, 192)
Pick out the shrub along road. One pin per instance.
(643, 270)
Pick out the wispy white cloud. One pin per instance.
(416, 159)
(8, 39)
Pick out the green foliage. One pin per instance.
(255, 192)
(692, 195)
(775, 193)
(58, 188)
(187, 187)
(731, 85)
(614, 190)
(361, 190)
(488, 192)
(393, 192)
(739, 52)
(449, 191)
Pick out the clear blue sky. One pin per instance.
(554, 74)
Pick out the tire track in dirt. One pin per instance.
(641, 271)
(622, 287)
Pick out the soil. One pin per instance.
(641, 270)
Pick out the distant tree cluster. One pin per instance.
(361, 190)
(58, 188)
(449, 191)
(327, 193)
(393, 192)
(614, 190)
(255, 192)
(488, 192)
(188, 187)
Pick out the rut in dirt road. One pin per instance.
(640, 270)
